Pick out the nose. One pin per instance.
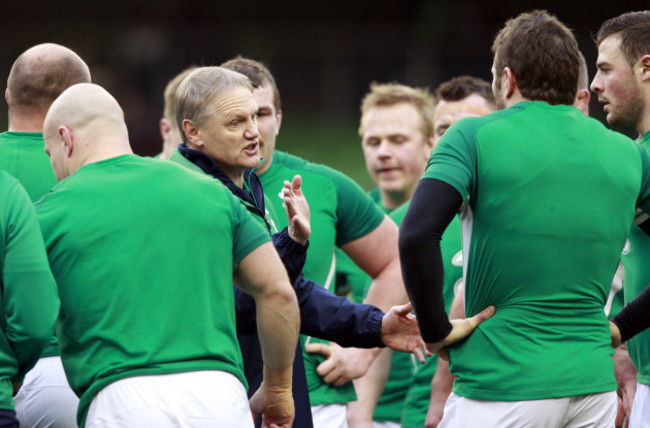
(383, 150)
(252, 132)
(596, 84)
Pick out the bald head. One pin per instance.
(84, 124)
(39, 75)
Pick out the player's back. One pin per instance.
(143, 254)
(551, 197)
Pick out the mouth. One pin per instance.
(387, 170)
(252, 149)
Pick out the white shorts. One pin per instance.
(330, 416)
(386, 425)
(46, 400)
(640, 417)
(200, 399)
(592, 410)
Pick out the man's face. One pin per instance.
(448, 112)
(395, 149)
(616, 84)
(230, 135)
(268, 123)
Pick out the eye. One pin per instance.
(372, 142)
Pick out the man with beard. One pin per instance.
(622, 83)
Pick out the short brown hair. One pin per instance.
(461, 87)
(390, 94)
(257, 73)
(634, 30)
(543, 55)
(197, 91)
(40, 74)
(169, 110)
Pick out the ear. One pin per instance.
(645, 68)
(192, 132)
(511, 82)
(581, 101)
(278, 116)
(165, 128)
(7, 95)
(67, 135)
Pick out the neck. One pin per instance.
(392, 200)
(26, 123)
(235, 174)
(516, 98)
(644, 125)
(106, 149)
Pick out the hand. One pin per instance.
(297, 210)
(461, 328)
(621, 420)
(16, 388)
(616, 335)
(625, 379)
(441, 386)
(400, 332)
(434, 414)
(342, 364)
(276, 407)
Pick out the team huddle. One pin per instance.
(496, 276)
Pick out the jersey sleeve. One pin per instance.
(454, 158)
(357, 214)
(30, 298)
(643, 201)
(248, 233)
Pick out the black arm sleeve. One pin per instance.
(293, 254)
(432, 208)
(635, 316)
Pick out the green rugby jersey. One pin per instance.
(340, 213)
(22, 154)
(29, 303)
(552, 195)
(143, 252)
(636, 279)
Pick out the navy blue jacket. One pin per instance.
(322, 314)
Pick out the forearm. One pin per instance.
(419, 247)
(369, 388)
(635, 316)
(387, 289)
(441, 383)
(331, 317)
(292, 254)
(278, 324)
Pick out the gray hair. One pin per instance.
(196, 93)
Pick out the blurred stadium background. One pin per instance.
(324, 54)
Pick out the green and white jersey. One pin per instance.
(340, 213)
(143, 252)
(551, 197)
(29, 303)
(637, 276)
(22, 154)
